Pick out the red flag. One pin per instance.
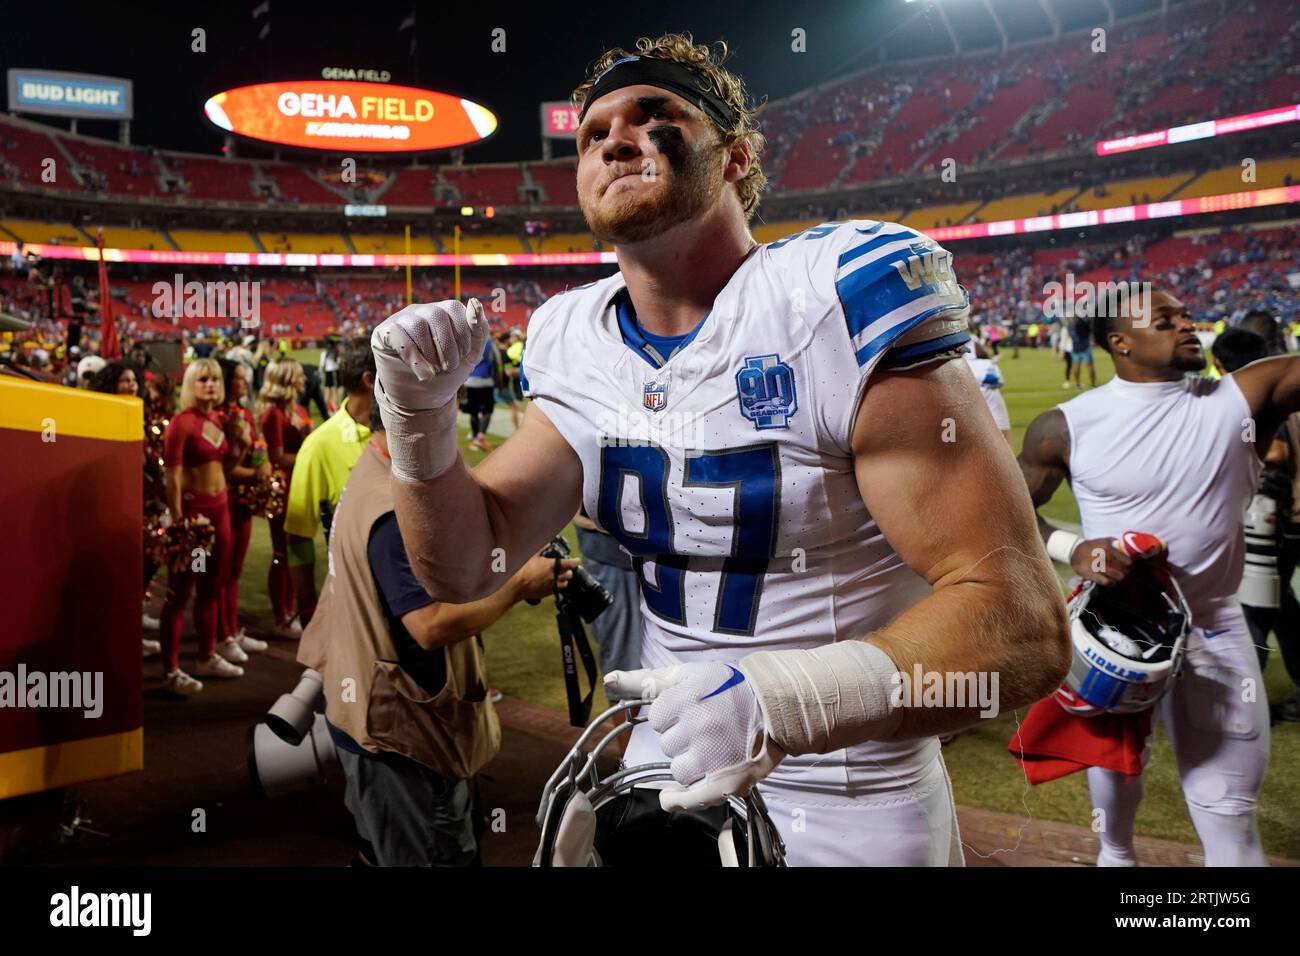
(109, 347)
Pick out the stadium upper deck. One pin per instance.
(1025, 104)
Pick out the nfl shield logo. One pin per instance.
(655, 396)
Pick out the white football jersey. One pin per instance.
(725, 468)
(989, 376)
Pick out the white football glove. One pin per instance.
(710, 725)
(719, 724)
(423, 354)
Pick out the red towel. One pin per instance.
(1052, 742)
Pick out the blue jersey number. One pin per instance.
(817, 232)
(753, 471)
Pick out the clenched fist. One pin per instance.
(423, 354)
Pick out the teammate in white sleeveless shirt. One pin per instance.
(1170, 453)
(802, 529)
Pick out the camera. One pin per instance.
(292, 748)
(290, 718)
(1260, 584)
(587, 595)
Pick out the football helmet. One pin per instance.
(588, 819)
(1127, 638)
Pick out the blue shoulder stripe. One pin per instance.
(920, 349)
(881, 240)
(875, 290)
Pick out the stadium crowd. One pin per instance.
(228, 439)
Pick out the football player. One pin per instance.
(787, 441)
(1174, 454)
(986, 372)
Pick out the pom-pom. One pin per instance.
(265, 496)
(184, 538)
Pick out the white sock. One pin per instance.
(1228, 840)
(1117, 796)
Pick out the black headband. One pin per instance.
(668, 75)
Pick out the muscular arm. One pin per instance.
(957, 513)
(1045, 460)
(1045, 463)
(516, 500)
(1272, 390)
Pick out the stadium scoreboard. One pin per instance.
(347, 116)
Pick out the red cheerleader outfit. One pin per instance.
(194, 439)
(286, 433)
(241, 520)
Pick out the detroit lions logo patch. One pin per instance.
(766, 391)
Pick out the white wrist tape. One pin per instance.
(1061, 545)
(421, 443)
(821, 700)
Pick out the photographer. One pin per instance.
(406, 695)
(1270, 605)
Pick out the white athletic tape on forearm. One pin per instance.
(422, 443)
(821, 700)
(1061, 545)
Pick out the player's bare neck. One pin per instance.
(1141, 375)
(674, 278)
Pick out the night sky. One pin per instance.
(548, 47)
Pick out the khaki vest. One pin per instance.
(455, 732)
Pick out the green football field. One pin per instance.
(524, 662)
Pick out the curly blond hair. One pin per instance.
(708, 61)
(278, 384)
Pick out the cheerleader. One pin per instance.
(241, 433)
(122, 378)
(284, 425)
(117, 378)
(194, 448)
(159, 406)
